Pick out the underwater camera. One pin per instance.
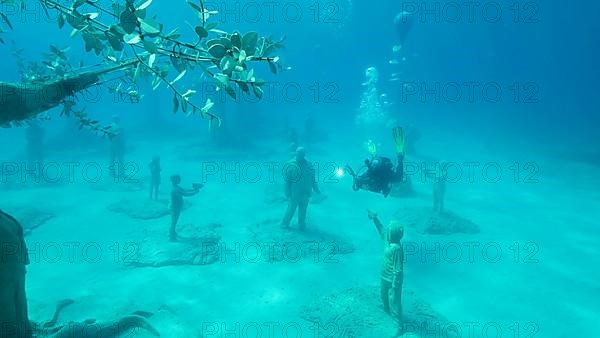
(197, 186)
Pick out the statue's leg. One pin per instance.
(121, 164)
(21, 308)
(8, 306)
(302, 207)
(289, 213)
(112, 164)
(396, 304)
(174, 219)
(385, 288)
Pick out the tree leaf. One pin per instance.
(151, 60)
(61, 21)
(217, 51)
(231, 92)
(175, 104)
(150, 46)
(115, 43)
(78, 3)
(188, 94)
(258, 91)
(222, 79)
(236, 40)
(144, 5)
(137, 72)
(132, 39)
(273, 67)
(179, 77)
(150, 26)
(195, 7)
(128, 21)
(212, 25)
(202, 33)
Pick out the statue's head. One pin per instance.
(300, 154)
(395, 232)
(175, 179)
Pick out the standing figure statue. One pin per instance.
(439, 188)
(14, 320)
(154, 177)
(177, 194)
(392, 272)
(300, 181)
(117, 150)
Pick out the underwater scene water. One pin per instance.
(301, 168)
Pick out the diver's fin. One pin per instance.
(371, 148)
(398, 134)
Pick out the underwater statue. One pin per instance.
(378, 175)
(117, 150)
(23, 101)
(177, 194)
(439, 188)
(132, 40)
(300, 181)
(154, 177)
(14, 257)
(392, 272)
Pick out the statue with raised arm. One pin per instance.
(392, 272)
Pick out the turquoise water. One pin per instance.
(503, 91)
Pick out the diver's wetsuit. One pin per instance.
(380, 175)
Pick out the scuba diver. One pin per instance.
(379, 173)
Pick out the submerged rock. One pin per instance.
(280, 244)
(426, 221)
(143, 208)
(196, 245)
(358, 312)
(30, 218)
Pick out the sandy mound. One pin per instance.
(426, 221)
(195, 246)
(285, 244)
(143, 208)
(357, 312)
(109, 185)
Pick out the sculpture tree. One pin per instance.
(135, 44)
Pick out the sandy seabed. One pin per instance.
(531, 268)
